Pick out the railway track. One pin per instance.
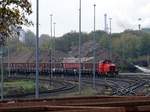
(78, 104)
(60, 86)
(126, 90)
(121, 86)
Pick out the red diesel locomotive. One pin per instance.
(105, 67)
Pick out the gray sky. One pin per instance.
(124, 14)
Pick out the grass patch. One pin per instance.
(14, 87)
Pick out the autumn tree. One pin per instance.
(13, 14)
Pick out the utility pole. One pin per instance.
(8, 59)
(139, 28)
(110, 39)
(79, 46)
(94, 48)
(37, 50)
(123, 53)
(2, 74)
(139, 25)
(51, 49)
(18, 29)
(105, 23)
(54, 24)
(106, 30)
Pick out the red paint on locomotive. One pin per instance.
(106, 67)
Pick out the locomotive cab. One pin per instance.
(106, 67)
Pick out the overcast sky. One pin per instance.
(124, 14)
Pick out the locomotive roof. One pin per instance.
(106, 61)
